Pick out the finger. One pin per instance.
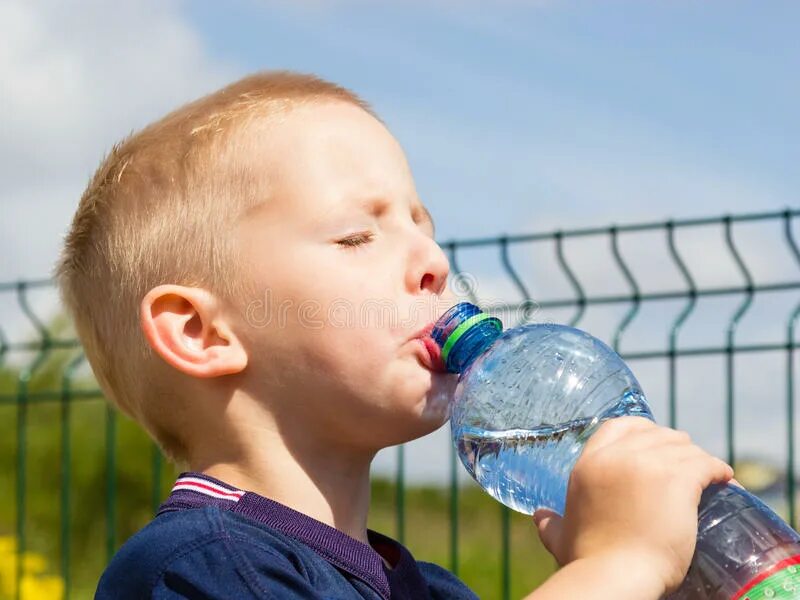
(674, 453)
(706, 469)
(549, 526)
(659, 437)
(616, 429)
(693, 451)
(667, 435)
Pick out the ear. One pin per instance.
(186, 327)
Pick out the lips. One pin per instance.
(425, 331)
(431, 354)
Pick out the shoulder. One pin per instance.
(443, 584)
(160, 547)
(203, 553)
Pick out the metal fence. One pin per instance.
(509, 256)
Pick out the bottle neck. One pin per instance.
(464, 333)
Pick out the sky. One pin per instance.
(516, 116)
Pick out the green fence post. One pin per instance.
(155, 498)
(505, 563)
(111, 483)
(791, 492)
(23, 382)
(580, 297)
(635, 293)
(453, 512)
(400, 494)
(729, 350)
(66, 458)
(678, 323)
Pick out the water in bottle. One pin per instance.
(527, 400)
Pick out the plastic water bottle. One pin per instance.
(527, 400)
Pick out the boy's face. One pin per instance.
(348, 271)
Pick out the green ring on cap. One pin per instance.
(459, 331)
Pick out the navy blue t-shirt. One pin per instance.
(212, 540)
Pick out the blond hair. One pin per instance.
(158, 210)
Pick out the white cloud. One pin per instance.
(76, 78)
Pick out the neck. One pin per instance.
(329, 484)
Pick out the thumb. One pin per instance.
(548, 523)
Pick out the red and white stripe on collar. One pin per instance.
(209, 488)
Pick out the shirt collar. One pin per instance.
(197, 490)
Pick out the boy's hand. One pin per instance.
(633, 498)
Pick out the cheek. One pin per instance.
(354, 356)
(367, 357)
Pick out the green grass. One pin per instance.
(479, 532)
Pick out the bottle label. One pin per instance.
(781, 582)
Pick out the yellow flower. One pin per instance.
(44, 587)
(35, 584)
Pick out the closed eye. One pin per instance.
(356, 240)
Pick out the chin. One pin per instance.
(411, 420)
(433, 410)
(418, 403)
(413, 430)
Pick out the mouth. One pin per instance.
(429, 352)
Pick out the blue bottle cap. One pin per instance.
(461, 330)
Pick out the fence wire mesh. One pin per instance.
(704, 310)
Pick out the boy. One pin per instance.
(223, 271)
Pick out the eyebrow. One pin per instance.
(426, 215)
(377, 206)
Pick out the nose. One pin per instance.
(428, 268)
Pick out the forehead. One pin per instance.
(320, 155)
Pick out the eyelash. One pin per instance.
(357, 240)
